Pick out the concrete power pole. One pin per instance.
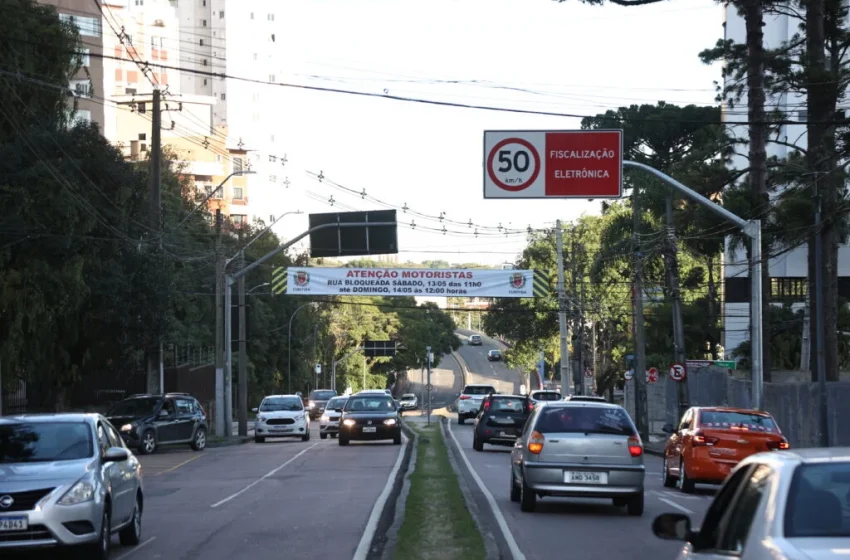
(242, 396)
(156, 208)
(219, 330)
(641, 408)
(562, 308)
(679, 351)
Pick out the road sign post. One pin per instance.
(678, 372)
(553, 164)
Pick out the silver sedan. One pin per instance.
(579, 450)
(67, 480)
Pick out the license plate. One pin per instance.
(506, 434)
(13, 524)
(282, 429)
(586, 477)
(370, 430)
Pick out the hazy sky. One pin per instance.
(528, 54)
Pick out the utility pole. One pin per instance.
(219, 332)
(242, 401)
(428, 388)
(562, 307)
(641, 408)
(582, 359)
(819, 326)
(679, 351)
(156, 204)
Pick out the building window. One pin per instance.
(81, 88)
(204, 22)
(156, 42)
(271, 78)
(201, 42)
(252, 15)
(205, 81)
(89, 26)
(272, 159)
(788, 288)
(224, 97)
(218, 194)
(238, 164)
(221, 15)
(140, 2)
(802, 116)
(238, 193)
(255, 56)
(270, 17)
(272, 37)
(205, 62)
(273, 178)
(239, 219)
(81, 116)
(84, 59)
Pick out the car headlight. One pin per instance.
(325, 418)
(349, 422)
(311, 404)
(299, 417)
(127, 428)
(82, 491)
(261, 418)
(390, 422)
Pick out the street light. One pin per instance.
(289, 351)
(206, 199)
(259, 235)
(258, 286)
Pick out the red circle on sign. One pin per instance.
(525, 144)
(678, 372)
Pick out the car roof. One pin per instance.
(51, 417)
(545, 391)
(732, 409)
(584, 404)
(280, 396)
(478, 385)
(372, 392)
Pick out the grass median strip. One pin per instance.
(437, 523)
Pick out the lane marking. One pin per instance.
(372, 525)
(136, 548)
(268, 475)
(683, 509)
(178, 465)
(497, 513)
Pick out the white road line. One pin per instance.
(500, 519)
(372, 525)
(136, 548)
(269, 474)
(683, 509)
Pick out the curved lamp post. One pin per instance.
(289, 351)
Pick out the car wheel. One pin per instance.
(259, 439)
(477, 444)
(669, 481)
(460, 419)
(131, 535)
(685, 484)
(323, 436)
(635, 505)
(148, 444)
(397, 440)
(199, 441)
(515, 489)
(527, 497)
(100, 550)
(306, 437)
(343, 441)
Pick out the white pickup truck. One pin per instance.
(470, 399)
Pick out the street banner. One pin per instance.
(434, 282)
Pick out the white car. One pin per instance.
(329, 423)
(773, 506)
(470, 400)
(409, 401)
(281, 416)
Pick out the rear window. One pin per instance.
(816, 501)
(591, 420)
(549, 396)
(725, 419)
(479, 390)
(507, 404)
(337, 402)
(408, 396)
(322, 395)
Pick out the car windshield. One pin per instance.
(507, 404)
(580, 419)
(726, 419)
(549, 396)
(135, 407)
(322, 395)
(817, 500)
(478, 390)
(337, 402)
(369, 403)
(32, 442)
(274, 404)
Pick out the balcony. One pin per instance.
(208, 168)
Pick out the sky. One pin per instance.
(537, 55)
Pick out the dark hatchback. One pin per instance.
(370, 417)
(148, 421)
(318, 401)
(500, 420)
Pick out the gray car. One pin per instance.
(67, 480)
(579, 450)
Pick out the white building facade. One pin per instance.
(788, 270)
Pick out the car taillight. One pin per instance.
(530, 406)
(635, 446)
(486, 405)
(465, 397)
(535, 442)
(779, 445)
(701, 439)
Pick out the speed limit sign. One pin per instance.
(678, 372)
(513, 164)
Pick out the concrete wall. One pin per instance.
(793, 405)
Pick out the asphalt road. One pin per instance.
(446, 381)
(504, 379)
(589, 529)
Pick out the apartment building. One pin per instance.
(788, 271)
(230, 47)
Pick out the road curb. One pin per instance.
(235, 440)
(494, 546)
(389, 523)
(461, 363)
(391, 539)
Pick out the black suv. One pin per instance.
(318, 401)
(500, 420)
(148, 421)
(370, 416)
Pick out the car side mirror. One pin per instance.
(116, 455)
(163, 413)
(668, 429)
(672, 527)
(255, 410)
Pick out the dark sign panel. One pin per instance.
(353, 241)
(379, 348)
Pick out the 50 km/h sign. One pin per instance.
(553, 164)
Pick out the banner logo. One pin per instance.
(517, 280)
(302, 279)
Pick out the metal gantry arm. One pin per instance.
(752, 229)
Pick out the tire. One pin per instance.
(199, 440)
(397, 440)
(527, 497)
(477, 444)
(306, 437)
(323, 436)
(515, 489)
(343, 441)
(460, 419)
(131, 535)
(635, 505)
(259, 439)
(685, 484)
(148, 444)
(668, 480)
(100, 549)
